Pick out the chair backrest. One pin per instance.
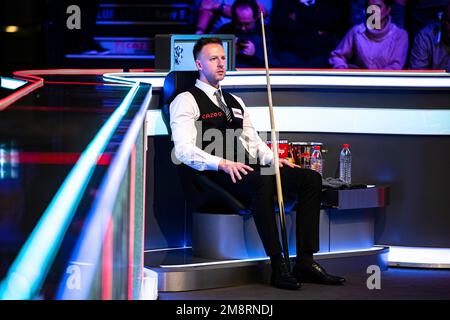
(175, 83)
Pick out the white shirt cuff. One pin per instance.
(213, 163)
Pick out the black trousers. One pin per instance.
(304, 184)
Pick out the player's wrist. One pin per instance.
(222, 164)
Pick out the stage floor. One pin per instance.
(396, 284)
(178, 270)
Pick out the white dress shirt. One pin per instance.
(184, 111)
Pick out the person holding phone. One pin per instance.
(246, 27)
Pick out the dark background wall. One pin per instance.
(416, 168)
(27, 47)
(44, 41)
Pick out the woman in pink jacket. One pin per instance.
(373, 46)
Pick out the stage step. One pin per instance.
(179, 271)
(138, 19)
(127, 45)
(124, 52)
(144, 12)
(109, 61)
(127, 30)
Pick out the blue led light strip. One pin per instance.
(30, 268)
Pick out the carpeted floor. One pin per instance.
(396, 284)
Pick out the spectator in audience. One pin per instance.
(212, 14)
(246, 26)
(431, 49)
(358, 12)
(425, 12)
(367, 46)
(305, 31)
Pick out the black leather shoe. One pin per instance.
(315, 273)
(282, 278)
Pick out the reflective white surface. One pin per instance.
(311, 78)
(324, 119)
(337, 120)
(410, 256)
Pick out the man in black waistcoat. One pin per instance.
(213, 134)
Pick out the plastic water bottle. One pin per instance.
(345, 164)
(316, 160)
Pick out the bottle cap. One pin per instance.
(346, 145)
(316, 147)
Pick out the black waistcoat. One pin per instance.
(215, 134)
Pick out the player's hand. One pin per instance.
(285, 162)
(209, 5)
(234, 169)
(248, 48)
